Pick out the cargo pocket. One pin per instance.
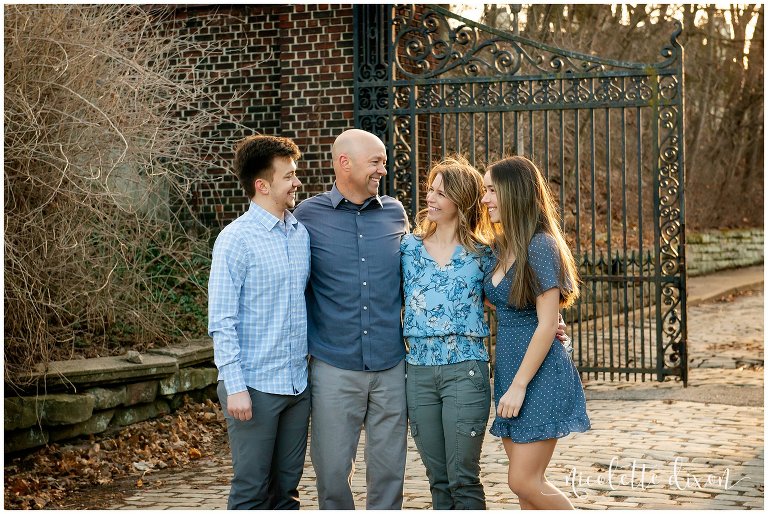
(471, 429)
(469, 445)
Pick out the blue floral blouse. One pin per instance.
(444, 321)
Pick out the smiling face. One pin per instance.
(360, 160)
(489, 198)
(281, 190)
(368, 166)
(440, 208)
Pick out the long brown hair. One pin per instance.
(463, 186)
(526, 207)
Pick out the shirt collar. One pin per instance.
(337, 198)
(268, 219)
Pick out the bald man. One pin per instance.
(354, 333)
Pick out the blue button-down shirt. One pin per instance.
(256, 310)
(354, 298)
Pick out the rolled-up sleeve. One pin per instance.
(228, 270)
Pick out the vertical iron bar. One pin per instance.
(414, 153)
(625, 256)
(546, 157)
(501, 134)
(429, 140)
(387, 12)
(458, 140)
(656, 227)
(442, 124)
(594, 222)
(517, 148)
(530, 123)
(641, 235)
(487, 137)
(472, 142)
(608, 223)
(577, 161)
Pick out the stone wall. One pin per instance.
(714, 250)
(94, 395)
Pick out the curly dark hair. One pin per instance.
(254, 155)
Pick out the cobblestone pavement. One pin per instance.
(652, 445)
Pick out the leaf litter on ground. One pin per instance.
(49, 476)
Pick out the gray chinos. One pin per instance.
(448, 409)
(343, 401)
(268, 450)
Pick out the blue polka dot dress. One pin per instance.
(554, 404)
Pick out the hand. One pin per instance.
(560, 334)
(239, 405)
(511, 402)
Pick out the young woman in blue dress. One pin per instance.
(538, 393)
(448, 390)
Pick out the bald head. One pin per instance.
(359, 162)
(351, 141)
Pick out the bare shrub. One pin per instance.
(97, 165)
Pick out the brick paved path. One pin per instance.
(651, 445)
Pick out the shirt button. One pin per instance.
(363, 259)
(471, 372)
(365, 332)
(361, 235)
(358, 213)
(365, 307)
(473, 433)
(365, 283)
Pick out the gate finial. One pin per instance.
(515, 10)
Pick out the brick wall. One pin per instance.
(316, 86)
(283, 70)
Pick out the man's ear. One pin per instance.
(261, 186)
(344, 161)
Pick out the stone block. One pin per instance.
(96, 424)
(140, 392)
(131, 415)
(191, 379)
(21, 412)
(66, 409)
(193, 352)
(100, 371)
(169, 386)
(107, 397)
(211, 376)
(24, 439)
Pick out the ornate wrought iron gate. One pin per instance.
(608, 135)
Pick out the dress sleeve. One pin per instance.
(545, 262)
(486, 260)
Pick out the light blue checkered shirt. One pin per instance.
(257, 314)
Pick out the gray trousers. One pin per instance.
(448, 408)
(343, 402)
(268, 450)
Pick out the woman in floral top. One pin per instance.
(447, 386)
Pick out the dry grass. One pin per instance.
(97, 167)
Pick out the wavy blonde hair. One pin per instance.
(463, 185)
(526, 207)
